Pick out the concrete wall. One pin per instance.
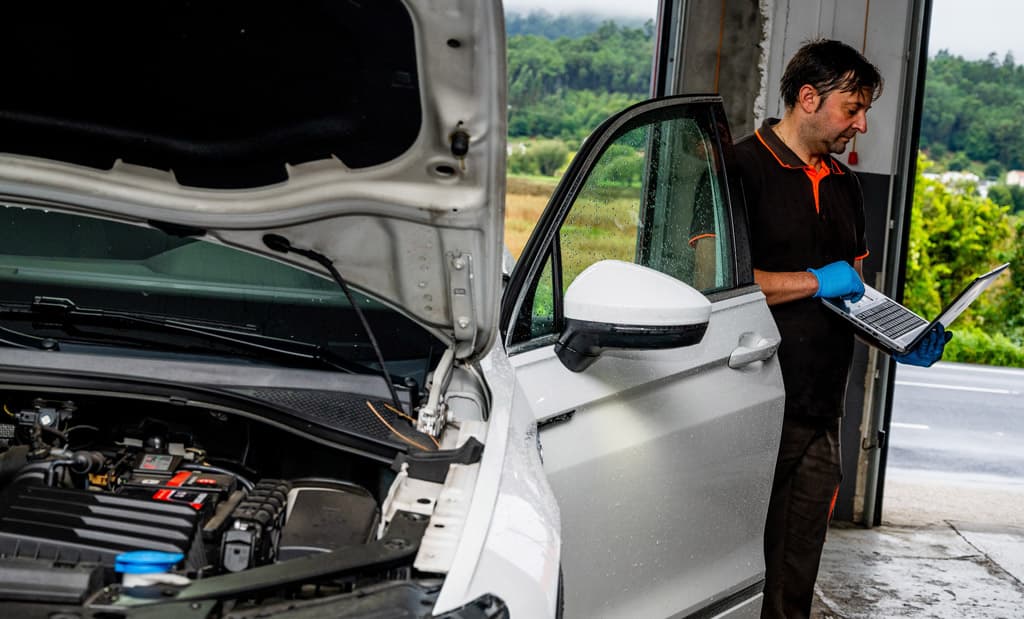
(722, 53)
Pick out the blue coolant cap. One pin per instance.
(146, 562)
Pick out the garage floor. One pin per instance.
(952, 570)
(947, 549)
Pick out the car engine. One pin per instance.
(78, 487)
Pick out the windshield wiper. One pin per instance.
(63, 315)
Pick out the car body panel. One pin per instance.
(511, 544)
(661, 460)
(663, 469)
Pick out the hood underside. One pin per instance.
(370, 131)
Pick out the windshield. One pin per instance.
(110, 265)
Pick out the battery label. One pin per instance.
(156, 462)
(195, 499)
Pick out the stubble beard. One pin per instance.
(817, 131)
(838, 145)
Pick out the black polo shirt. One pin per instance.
(803, 218)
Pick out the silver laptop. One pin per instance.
(894, 328)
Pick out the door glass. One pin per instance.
(543, 313)
(653, 197)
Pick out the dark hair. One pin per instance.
(829, 65)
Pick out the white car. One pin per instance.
(258, 355)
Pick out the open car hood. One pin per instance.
(370, 131)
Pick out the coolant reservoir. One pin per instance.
(145, 568)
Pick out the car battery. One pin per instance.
(157, 477)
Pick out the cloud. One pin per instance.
(611, 8)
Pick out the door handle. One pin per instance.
(753, 348)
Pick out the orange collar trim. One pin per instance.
(830, 162)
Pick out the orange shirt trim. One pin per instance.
(694, 240)
(816, 176)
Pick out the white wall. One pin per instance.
(792, 22)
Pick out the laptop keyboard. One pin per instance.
(891, 318)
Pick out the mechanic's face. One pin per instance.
(839, 117)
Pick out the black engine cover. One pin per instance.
(76, 526)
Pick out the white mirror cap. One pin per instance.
(623, 293)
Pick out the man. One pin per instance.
(806, 217)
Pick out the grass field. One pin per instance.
(603, 224)
(525, 199)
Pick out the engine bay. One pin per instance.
(87, 478)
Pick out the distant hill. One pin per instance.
(973, 108)
(573, 26)
(565, 86)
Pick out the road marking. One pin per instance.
(909, 426)
(907, 383)
(981, 369)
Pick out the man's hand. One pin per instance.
(838, 279)
(928, 350)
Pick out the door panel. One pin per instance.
(663, 470)
(661, 461)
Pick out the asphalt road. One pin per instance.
(959, 420)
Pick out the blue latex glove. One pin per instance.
(838, 279)
(928, 350)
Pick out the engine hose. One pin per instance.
(52, 469)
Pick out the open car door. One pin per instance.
(648, 355)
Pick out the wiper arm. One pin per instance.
(62, 314)
(17, 339)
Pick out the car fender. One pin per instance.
(511, 542)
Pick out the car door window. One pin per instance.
(653, 196)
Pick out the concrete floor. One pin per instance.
(943, 551)
(952, 571)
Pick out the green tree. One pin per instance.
(622, 165)
(974, 107)
(535, 68)
(550, 156)
(1011, 297)
(1008, 195)
(564, 87)
(521, 163)
(993, 169)
(569, 116)
(545, 157)
(955, 235)
(959, 162)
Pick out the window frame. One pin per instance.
(544, 240)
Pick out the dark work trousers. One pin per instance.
(807, 475)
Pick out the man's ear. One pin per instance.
(808, 99)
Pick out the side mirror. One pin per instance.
(508, 262)
(615, 304)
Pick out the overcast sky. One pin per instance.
(973, 28)
(968, 28)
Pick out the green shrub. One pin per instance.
(974, 346)
(543, 158)
(550, 155)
